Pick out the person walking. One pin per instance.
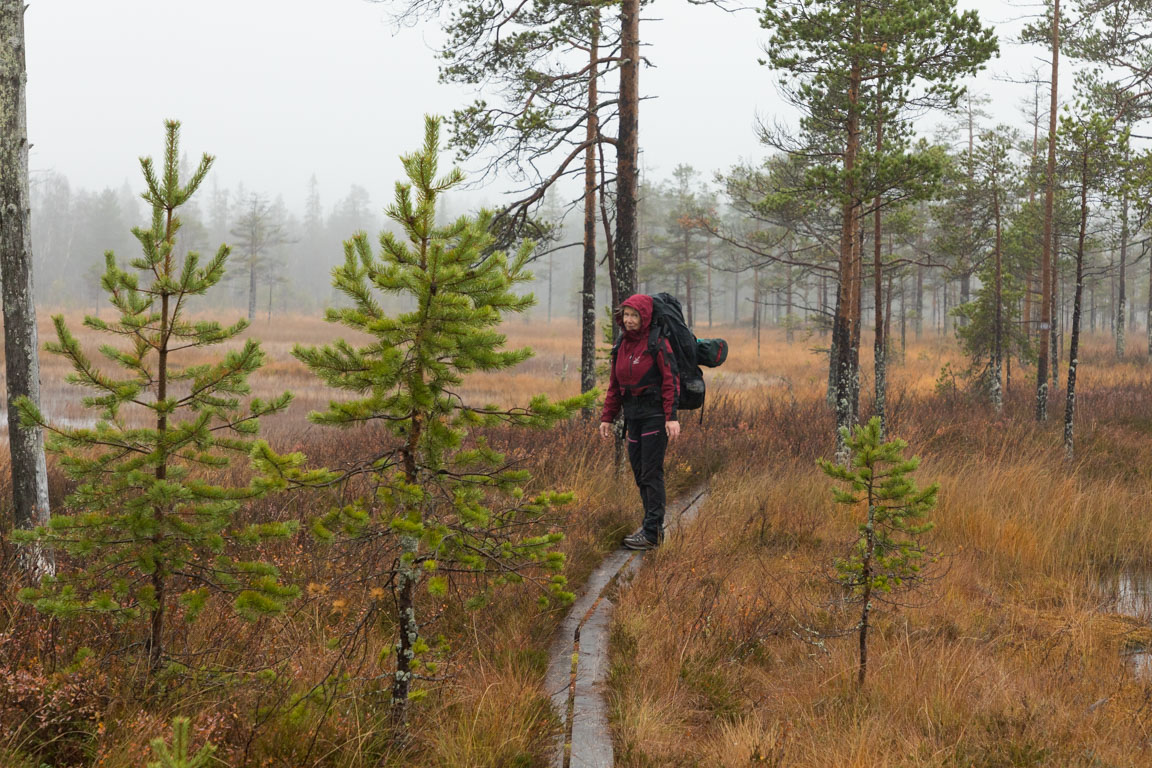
(645, 386)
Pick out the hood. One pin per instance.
(642, 303)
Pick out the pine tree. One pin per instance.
(1094, 151)
(179, 755)
(443, 493)
(990, 328)
(148, 529)
(886, 555)
(848, 64)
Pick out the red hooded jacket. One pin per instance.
(637, 382)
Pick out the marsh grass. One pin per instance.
(728, 647)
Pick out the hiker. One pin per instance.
(644, 384)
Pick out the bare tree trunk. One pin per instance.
(588, 289)
(847, 311)
(21, 344)
(918, 320)
(880, 344)
(252, 287)
(736, 300)
(406, 633)
(788, 331)
(866, 597)
(551, 270)
(1070, 400)
(997, 395)
(708, 256)
(903, 321)
(1123, 298)
(609, 238)
(1149, 312)
(627, 147)
(1047, 278)
(404, 593)
(689, 299)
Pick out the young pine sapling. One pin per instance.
(452, 503)
(149, 531)
(887, 554)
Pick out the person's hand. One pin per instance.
(673, 429)
(605, 430)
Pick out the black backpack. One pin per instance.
(688, 352)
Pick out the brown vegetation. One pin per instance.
(726, 646)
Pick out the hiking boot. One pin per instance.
(639, 541)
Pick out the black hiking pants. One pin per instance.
(647, 442)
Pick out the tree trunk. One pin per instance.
(708, 265)
(406, 633)
(918, 319)
(997, 395)
(627, 147)
(588, 289)
(1070, 400)
(880, 344)
(965, 293)
(1046, 255)
(252, 287)
(903, 322)
(21, 344)
(866, 597)
(788, 332)
(735, 298)
(1123, 297)
(404, 593)
(847, 310)
(1149, 313)
(609, 248)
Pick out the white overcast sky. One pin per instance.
(281, 89)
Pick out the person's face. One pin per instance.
(631, 319)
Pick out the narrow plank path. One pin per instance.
(578, 659)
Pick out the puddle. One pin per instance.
(1130, 593)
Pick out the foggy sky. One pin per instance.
(281, 89)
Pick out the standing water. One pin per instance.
(1130, 593)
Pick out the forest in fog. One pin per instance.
(348, 475)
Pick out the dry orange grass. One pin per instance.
(732, 647)
(720, 642)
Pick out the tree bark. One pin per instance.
(21, 343)
(998, 324)
(588, 289)
(1046, 255)
(1123, 297)
(879, 346)
(708, 266)
(847, 310)
(1070, 400)
(252, 288)
(627, 147)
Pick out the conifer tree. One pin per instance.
(149, 531)
(449, 500)
(886, 555)
(1093, 152)
(988, 332)
(179, 754)
(844, 62)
